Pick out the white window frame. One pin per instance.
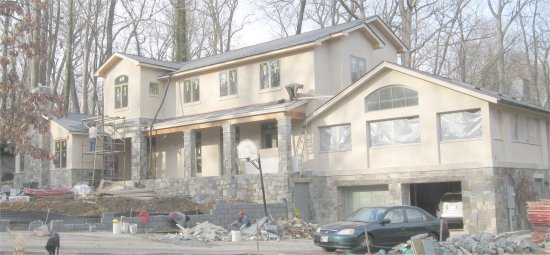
(60, 160)
(152, 90)
(191, 90)
(336, 138)
(469, 127)
(270, 74)
(525, 129)
(228, 83)
(121, 92)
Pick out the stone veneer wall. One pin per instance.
(483, 193)
(70, 177)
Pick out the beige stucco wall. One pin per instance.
(169, 156)
(429, 154)
(76, 143)
(129, 68)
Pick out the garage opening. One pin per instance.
(365, 196)
(429, 195)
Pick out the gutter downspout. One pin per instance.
(150, 144)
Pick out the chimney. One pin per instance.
(520, 90)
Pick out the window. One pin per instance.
(460, 125)
(121, 92)
(391, 97)
(191, 90)
(228, 82)
(394, 132)
(198, 153)
(358, 67)
(539, 188)
(335, 138)
(414, 215)
(60, 160)
(270, 74)
(395, 216)
(269, 135)
(525, 129)
(154, 88)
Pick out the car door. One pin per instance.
(391, 233)
(416, 223)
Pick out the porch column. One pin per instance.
(138, 155)
(189, 145)
(284, 131)
(229, 150)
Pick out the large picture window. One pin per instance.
(121, 92)
(391, 97)
(228, 82)
(460, 125)
(335, 138)
(60, 160)
(525, 129)
(191, 90)
(394, 132)
(270, 74)
(358, 67)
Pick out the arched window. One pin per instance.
(390, 97)
(121, 91)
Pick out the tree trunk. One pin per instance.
(68, 57)
(85, 62)
(180, 32)
(109, 31)
(300, 17)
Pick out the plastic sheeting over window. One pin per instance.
(335, 138)
(525, 129)
(394, 132)
(460, 125)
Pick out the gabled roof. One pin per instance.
(465, 88)
(312, 37)
(137, 60)
(73, 122)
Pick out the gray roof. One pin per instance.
(73, 122)
(278, 44)
(154, 62)
(500, 97)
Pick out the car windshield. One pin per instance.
(454, 197)
(366, 214)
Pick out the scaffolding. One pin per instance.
(108, 160)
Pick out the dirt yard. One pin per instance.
(95, 208)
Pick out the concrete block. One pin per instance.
(3, 225)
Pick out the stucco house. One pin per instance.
(338, 125)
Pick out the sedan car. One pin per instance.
(385, 228)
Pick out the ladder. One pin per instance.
(303, 147)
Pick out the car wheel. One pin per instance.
(329, 249)
(434, 236)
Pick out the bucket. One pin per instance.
(116, 228)
(125, 226)
(235, 236)
(133, 228)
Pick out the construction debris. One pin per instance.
(538, 214)
(205, 232)
(297, 229)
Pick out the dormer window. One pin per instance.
(121, 92)
(270, 74)
(390, 97)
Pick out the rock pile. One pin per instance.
(483, 243)
(205, 232)
(297, 229)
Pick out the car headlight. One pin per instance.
(348, 231)
(318, 230)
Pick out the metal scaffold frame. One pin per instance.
(110, 145)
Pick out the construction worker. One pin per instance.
(179, 218)
(242, 222)
(92, 132)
